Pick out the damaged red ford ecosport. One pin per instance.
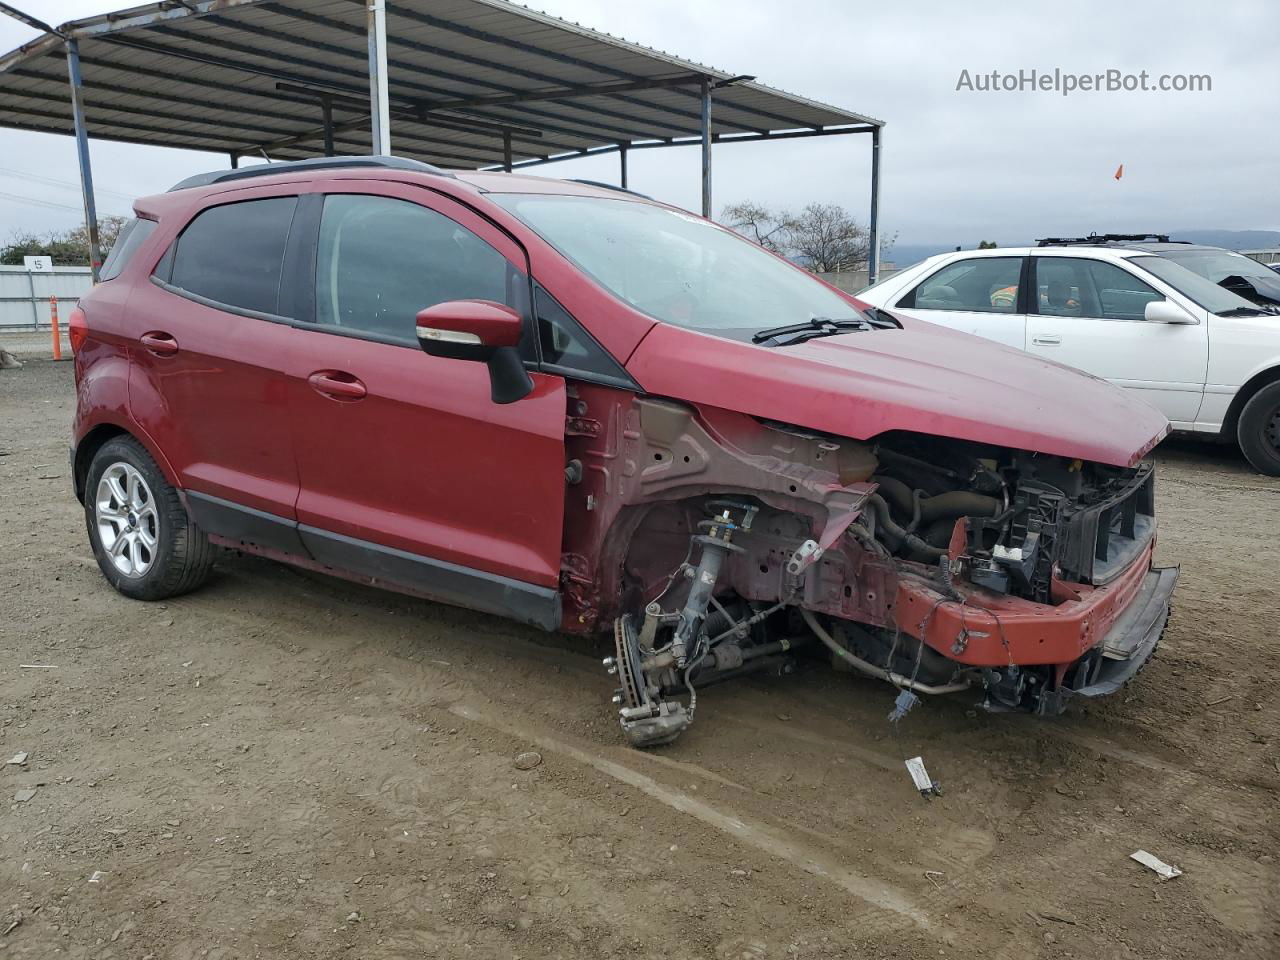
(585, 410)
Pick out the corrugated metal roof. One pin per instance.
(244, 76)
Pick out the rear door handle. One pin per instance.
(337, 384)
(159, 343)
(1047, 341)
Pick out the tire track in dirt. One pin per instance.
(888, 906)
(408, 690)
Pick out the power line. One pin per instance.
(66, 184)
(52, 204)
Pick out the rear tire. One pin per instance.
(1259, 430)
(146, 545)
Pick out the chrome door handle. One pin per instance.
(1047, 341)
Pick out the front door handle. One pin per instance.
(337, 384)
(1047, 341)
(159, 343)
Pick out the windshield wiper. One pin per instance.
(823, 327)
(1248, 312)
(881, 320)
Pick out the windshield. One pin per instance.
(1217, 265)
(1194, 286)
(676, 267)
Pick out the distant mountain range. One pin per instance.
(905, 254)
(1231, 239)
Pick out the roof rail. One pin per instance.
(609, 186)
(312, 163)
(1101, 239)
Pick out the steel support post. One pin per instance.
(35, 307)
(706, 147)
(873, 227)
(326, 113)
(82, 149)
(379, 107)
(622, 164)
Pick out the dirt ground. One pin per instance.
(285, 766)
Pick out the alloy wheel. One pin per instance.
(128, 523)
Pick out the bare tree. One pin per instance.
(68, 248)
(762, 224)
(824, 237)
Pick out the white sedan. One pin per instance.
(1206, 357)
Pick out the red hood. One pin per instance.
(923, 378)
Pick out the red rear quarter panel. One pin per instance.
(102, 367)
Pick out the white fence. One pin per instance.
(24, 296)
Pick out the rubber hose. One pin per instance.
(938, 533)
(870, 668)
(895, 537)
(958, 503)
(897, 493)
(917, 497)
(913, 477)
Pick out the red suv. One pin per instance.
(576, 407)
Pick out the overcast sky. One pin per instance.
(959, 166)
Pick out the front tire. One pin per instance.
(146, 545)
(1259, 430)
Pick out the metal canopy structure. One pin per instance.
(457, 83)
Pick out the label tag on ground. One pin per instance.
(919, 776)
(1164, 870)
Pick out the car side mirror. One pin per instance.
(481, 331)
(1165, 311)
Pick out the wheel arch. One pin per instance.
(1246, 393)
(96, 437)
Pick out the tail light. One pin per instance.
(77, 329)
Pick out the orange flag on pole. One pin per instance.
(1120, 171)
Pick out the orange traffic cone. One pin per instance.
(57, 333)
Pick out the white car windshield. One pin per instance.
(1194, 286)
(1217, 265)
(676, 267)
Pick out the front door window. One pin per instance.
(380, 260)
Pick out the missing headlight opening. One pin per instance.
(729, 545)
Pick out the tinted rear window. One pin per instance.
(234, 254)
(132, 235)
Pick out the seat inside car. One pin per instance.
(940, 296)
(1059, 300)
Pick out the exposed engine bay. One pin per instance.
(730, 545)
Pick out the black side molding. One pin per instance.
(447, 582)
(237, 522)
(389, 568)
